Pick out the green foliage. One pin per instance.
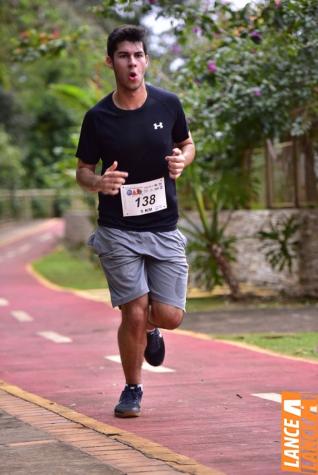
(208, 237)
(10, 163)
(47, 136)
(79, 99)
(248, 75)
(280, 242)
(32, 44)
(42, 48)
(76, 97)
(245, 91)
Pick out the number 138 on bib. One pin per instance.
(143, 198)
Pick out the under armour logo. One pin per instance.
(158, 126)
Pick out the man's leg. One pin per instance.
(167, 274)
(132, 342)
(165, 316)
(160, 316)
(132, 337)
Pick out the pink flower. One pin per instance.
(257, 92)
(256, 37)
(197, 30)
(176, 49)
(212, 67)
(278, 3)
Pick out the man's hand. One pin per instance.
(111, 181)
(176, 163)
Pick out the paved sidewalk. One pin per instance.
(37, 441)
(27, 450)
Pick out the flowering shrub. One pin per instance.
(247, 76)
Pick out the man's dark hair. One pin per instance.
(130, 33)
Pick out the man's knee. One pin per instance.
(166, 316)
(135, 314)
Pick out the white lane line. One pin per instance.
(23, 248)
(55, 337)
(21, 316)
(3, 302)
(278, 398)
(45, 237)
(19, 250)
(10, 254)
(146, 366)
(275, 397)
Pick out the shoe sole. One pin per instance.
(124, 415)
(154, 364)
(149, 358)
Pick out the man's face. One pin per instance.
(129, 64)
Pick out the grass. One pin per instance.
(71, 269)
(303, 345)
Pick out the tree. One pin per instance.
(10, 163)
(41, 47)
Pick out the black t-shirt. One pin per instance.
(138, 140)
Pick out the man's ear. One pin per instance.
(147, 60)
(109, 62)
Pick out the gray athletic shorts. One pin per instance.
(139, 263)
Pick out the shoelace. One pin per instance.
(129, 394)
(155, 341)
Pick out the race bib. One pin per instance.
(143, 198)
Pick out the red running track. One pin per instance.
(204, 409)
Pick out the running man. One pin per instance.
(140, 134)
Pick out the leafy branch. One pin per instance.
(280, 242)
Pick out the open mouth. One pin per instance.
(132, 75)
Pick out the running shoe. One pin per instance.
(155, 349)
(129, 402)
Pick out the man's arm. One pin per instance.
(109, 183)
(181, 157)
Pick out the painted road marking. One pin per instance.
(278, 398)
(19, 250)
(146, 366)
(55, 337)
(3, 302)
(24, 248)
(45, 237)
(10, 254)
(275, 397)
(21, 316)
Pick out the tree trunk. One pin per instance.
(246, 167)
(226, 270)
(311, 179)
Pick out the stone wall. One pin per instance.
(308, 255)
(251, 267)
